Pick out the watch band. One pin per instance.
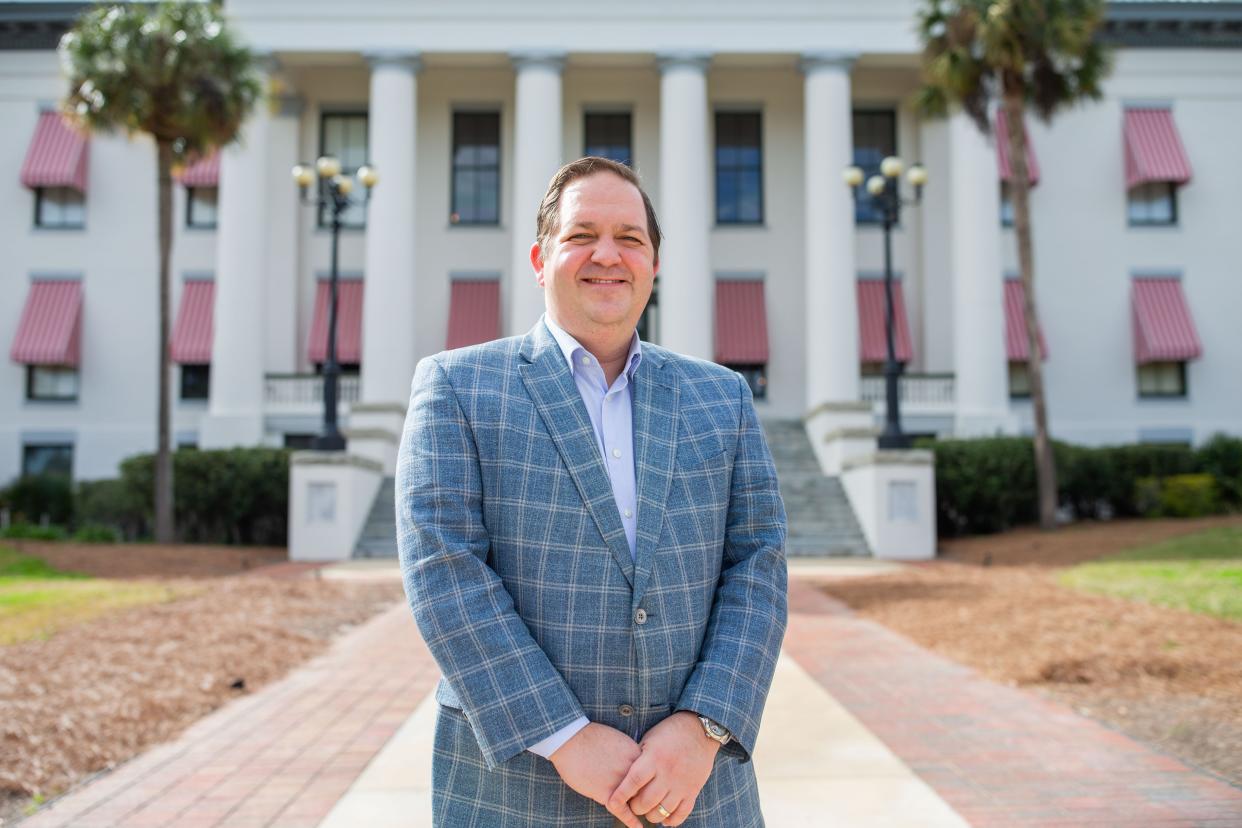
(716, 732)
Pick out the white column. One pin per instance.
(389, 298)
(235, 405)
(831, 302)
(687, 305)
(537, 155)
(982, 396)
(283, 254)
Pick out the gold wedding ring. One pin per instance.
(664, 813)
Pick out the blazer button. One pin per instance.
(626, 710)
(640, 616)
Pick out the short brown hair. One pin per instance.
(549, 220)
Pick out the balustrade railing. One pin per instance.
(913, 389)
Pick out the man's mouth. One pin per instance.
(605, 281)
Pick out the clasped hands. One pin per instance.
(667, 769)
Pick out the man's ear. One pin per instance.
(655, 266)
(536, 262)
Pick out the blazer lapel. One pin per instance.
(556, 397)
(655, 435)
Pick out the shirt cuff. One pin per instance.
(550, 745)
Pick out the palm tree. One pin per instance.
(1042, 54)
(175, 73)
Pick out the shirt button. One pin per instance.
(616, 452)
(586, 360)
(626, 710)
(640, 616)
(628, 513)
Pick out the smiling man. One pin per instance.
(592, 542)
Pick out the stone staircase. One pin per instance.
(379, 534)
(821, 520)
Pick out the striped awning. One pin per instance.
(1154, 151)
(50, 330)
(57, 155)
(474, 312)
(1163, 328)
(1002, 151)
(1015, 325)
(204, 172)
(348, 322)
(191, 336)
(873, 344)
(741, 322)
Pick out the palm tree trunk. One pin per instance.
(164, 529)
(1019, 183)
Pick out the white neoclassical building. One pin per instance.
(738, 115)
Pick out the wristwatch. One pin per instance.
(715, 731)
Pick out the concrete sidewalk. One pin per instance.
(863, 728)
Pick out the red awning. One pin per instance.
(741, 322)
(1002, 151)
(1015, 325)
(191, 337)
(1163, 328)
(873, 343)
(57, 155)
(474, 312)
(204, 172)
(348, 322)
(50, 330)
(1154, 152)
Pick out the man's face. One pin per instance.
(599, 265)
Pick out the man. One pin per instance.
(592, 538)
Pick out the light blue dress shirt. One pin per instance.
(612, 416)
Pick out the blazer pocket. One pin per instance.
(687, 461)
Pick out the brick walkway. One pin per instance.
(999, 755)
(281, 757)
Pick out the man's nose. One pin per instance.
(606, 252)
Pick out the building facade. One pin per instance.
(740, 118)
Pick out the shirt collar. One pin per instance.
(570, 346)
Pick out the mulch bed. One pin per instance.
(1167, 677)
(98, 693)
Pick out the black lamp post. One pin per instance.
(333, 193)
(885, 197)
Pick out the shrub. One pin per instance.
(30, 498)
(238, 496)
(1188, 495)
(985, 485)
(1147, 493)
(29, 531)
(1221, 457)
(94, 533)
(113, 504)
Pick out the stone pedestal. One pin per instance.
(893, 494)
(330, 495)
(839, 431)
(374, 433)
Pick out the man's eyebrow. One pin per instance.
(625, 228)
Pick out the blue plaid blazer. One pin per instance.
(519, 576)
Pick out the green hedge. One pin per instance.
(235, 496)
(988, 485)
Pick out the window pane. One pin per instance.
(756, 377)
(53, 383)
(1162, 379)
(1151, 203)
(875, 137)
(476, 168)
(608, 136)
(195, 382)
(201, 204)
(739, 168)
(345, 138)
(1019, 380)
(50, 459)
(60, 207)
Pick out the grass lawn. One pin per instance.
(37, 600)
(1200, 572)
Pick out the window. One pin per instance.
(1019, 381)
(739, 168)
(871, 369)
(1006, 205)
(195, 382)
(756, 377)
(1162, 379)
(300, 441)
(348, 369)
(51, 382)
(60, 207)
(1152, 204)
(608, 136)
(649, 322)
(344, 137)
(875, 138)
(53, 458)
(200, 207)
(476, 168)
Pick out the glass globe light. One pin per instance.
(328, 167)
(917, 175)
(853, 176)
(303, 175)
(890, 167)
(875, 185)
(343, 183)
(368, 176)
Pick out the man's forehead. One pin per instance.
(602, 197)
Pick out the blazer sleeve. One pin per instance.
(743, 639)
(511, 693)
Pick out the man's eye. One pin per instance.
(580, 236)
